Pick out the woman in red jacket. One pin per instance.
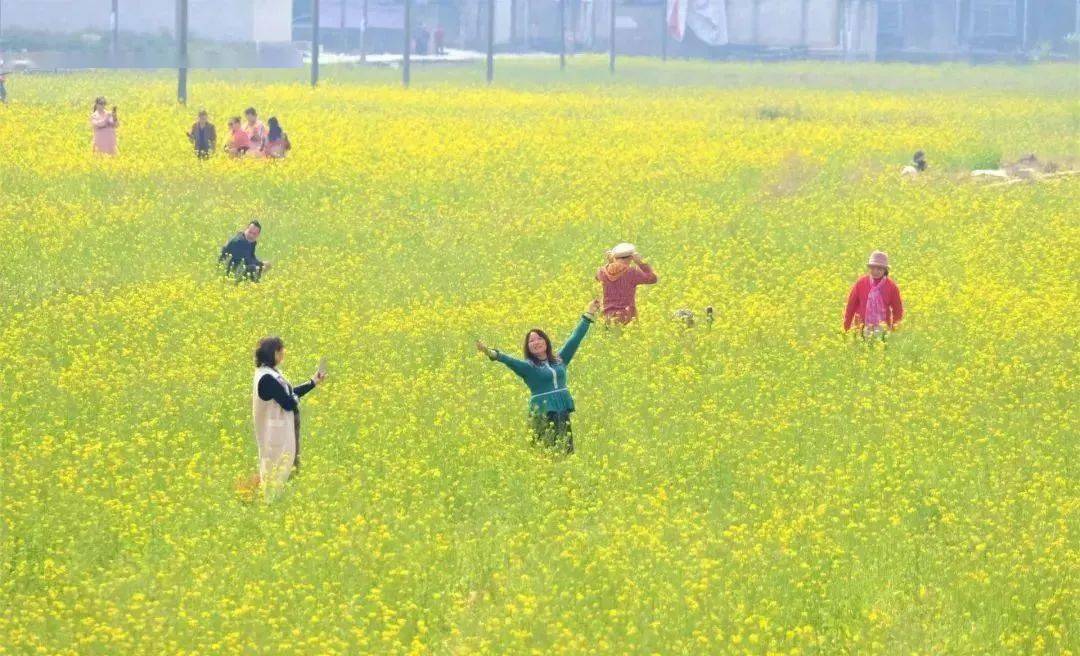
(874, 301)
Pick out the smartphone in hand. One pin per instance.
(322, 367)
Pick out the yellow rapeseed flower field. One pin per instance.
(763, 485)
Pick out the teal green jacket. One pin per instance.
(547, 380)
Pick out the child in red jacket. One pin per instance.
(874, 301)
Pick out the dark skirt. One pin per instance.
(552, 429)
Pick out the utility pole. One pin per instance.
(513, 24)
(408, 44)
(611, 41)
(562, 35)
(663, 32)
(1024, 36)
(344, 34)
(181, 55)
(491, 41)
(363, 35)
(314, 43)
(114, 20)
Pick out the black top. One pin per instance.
(271, 388)
(240, 250)
(203, 137)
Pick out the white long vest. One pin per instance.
(275, 434)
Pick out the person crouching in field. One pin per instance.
(275, 408)
(256, 131)
(545, 373)
(203, 135)
(874, 301)
(277, 142)
(238, 254)
(239, 141)
(620, 277)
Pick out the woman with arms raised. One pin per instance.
(544, 371)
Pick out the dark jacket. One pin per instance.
(203, 138)
(239, 249)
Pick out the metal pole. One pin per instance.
(802, 23)
(344, 34)
(513, 23)
(957, 27)
(491, 41)
(408, 44)
(314, 43)
(663, 33)
(562, 35)
(592, 24)
(115, 29)
(182, 59)
(1024, 36)
(611, 41)
(363, 36)
(755, 21)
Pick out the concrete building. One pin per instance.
(914, 29)
(851, 29)
(260, 21)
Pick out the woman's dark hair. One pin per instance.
(250, 110)
(100, 100)
(547, 340)
(274, 129)
(266, 352)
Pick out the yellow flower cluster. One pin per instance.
(760, 485)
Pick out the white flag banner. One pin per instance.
(706, 18)
(676, 18)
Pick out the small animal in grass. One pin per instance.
(684, 315)
(689, 318)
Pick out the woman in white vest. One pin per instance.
(275, 406)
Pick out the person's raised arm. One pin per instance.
(271, 389)
(645, 274)
(566, 353)
(311, 384)
(519, 367)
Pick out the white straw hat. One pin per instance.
(623, 250)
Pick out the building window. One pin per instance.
(993, 18)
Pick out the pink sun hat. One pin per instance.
(878, 258)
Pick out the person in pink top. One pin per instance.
(874, 301)
(104, 125)
(239, 142)
(620, 277)
(256, 131)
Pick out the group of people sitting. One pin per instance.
(247, 138)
